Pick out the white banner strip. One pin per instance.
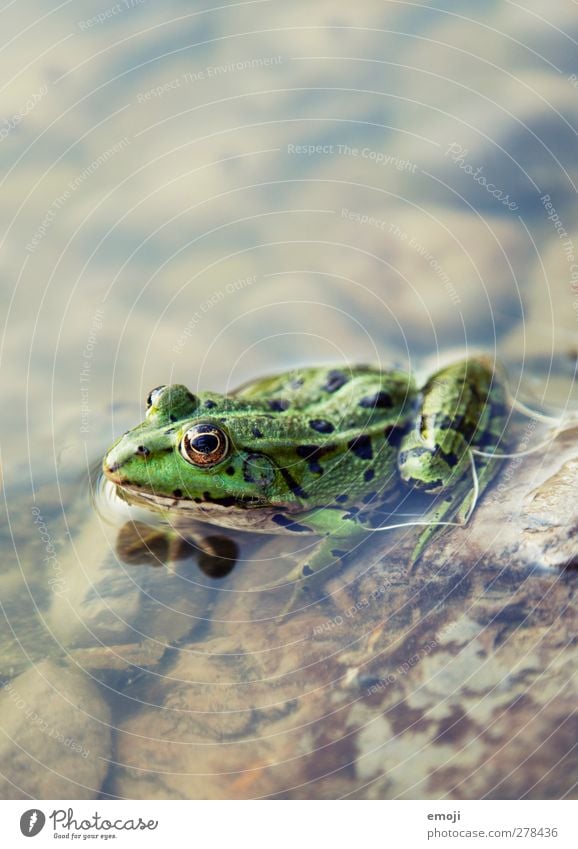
(298, 825)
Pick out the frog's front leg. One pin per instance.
(340, 534)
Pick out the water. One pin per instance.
(208, 195)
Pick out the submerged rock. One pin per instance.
(55, 740)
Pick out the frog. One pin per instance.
(320, 450)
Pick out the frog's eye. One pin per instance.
(204, 445)
(153, 395)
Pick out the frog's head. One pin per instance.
(189, 449)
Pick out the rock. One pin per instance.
(55, 740)
(139, 655)
(529, 517)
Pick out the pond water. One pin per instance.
(209, 195)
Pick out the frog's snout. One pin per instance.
(117, 457)
(110, 466)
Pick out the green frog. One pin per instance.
(326, 451)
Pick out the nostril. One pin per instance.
(142, 450)
(114, 467)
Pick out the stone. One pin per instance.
(55, 735)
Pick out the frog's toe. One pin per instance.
(299, 599)
(298, 589)
(272, 585)
(295, 576)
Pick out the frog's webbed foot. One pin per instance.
(301, 594)
(340, 535)
(454, 506)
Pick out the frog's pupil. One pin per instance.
(205, 443)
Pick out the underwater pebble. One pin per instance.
(55, 738)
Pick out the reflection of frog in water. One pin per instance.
(140, 543)
(324, 451)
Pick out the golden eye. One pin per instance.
(153, 395)
(204, 445)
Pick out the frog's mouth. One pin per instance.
(260, 519)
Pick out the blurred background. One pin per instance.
(207, 194)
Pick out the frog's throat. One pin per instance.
(257, 519)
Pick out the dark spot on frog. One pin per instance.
(193, 400)
(338, 552)
(393, 434)
(381, 401)
(172, 417)
(342, 498)
(321, 426)
(312, 454)
(335, 380)
(278, 405)
(230, 470)
(450, 458)
(369, 497)
(142, 451)
(292, 484)
(368, 475)
(210, 404)
(257, 433)
(445, 422)
(286, 522)
(178, 493)
(308, 452)
(170, 430)
(370, 518)
(306, 571)
(361, 447)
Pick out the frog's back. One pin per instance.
(303, 388)
(332, 431)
